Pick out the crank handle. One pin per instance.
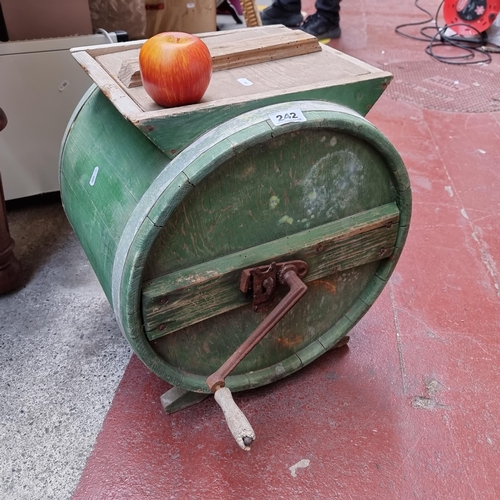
(298, 288)
(236, 421)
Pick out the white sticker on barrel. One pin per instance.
(288, 116)
(245, 82)
(190, 5)
(94, 175)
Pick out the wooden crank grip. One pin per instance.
(236, 421)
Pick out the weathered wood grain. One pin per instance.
(129, 73)
(115, 93)
(235, 54)
(202, 346)
(200, 292)
(324, 75)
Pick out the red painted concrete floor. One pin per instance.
(410, 409)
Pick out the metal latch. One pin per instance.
(263, 281)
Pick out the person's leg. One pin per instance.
(329, 9)
(285, 12)
(324, 23)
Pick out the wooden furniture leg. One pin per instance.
(10, 268)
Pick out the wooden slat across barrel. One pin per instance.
(275, 164)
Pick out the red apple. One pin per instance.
(175, 68)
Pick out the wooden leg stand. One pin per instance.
(10, 268)
(177, 399)
(342, 342)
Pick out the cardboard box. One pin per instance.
(34, 19)
(189, 16)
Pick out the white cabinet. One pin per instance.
(40, 86)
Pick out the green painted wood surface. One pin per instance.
(213, 286)
(201, 346)
(127, 163)
(173, 133)
(243, 184)
(284, 185)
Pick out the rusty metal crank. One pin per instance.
(263, 282)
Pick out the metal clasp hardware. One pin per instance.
(263, 281)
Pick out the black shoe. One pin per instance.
(276, 15)
(320, 27)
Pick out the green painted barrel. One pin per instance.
(168, 238)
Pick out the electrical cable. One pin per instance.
(106, 34)
(397, 29)
(468, 46)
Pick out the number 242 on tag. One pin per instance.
(288, 116)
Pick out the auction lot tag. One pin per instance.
(288, 116)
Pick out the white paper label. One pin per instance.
(288, 116)
(245, 82)
(94, 175)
